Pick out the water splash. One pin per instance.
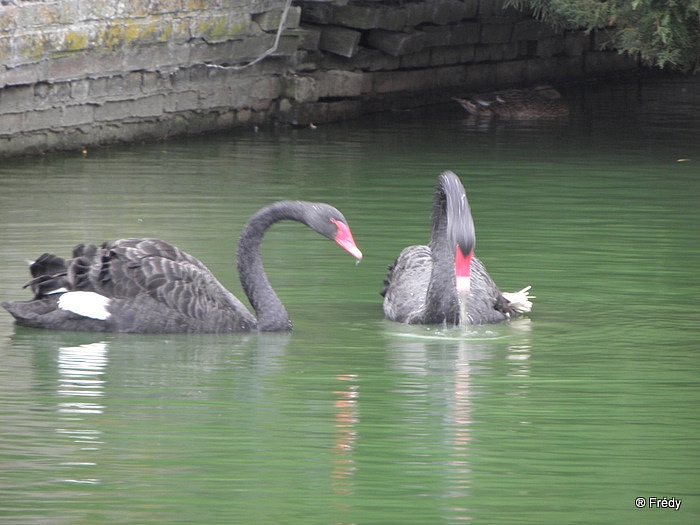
(463, 297)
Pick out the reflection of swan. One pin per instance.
(446, 384)
(443, 282)
(436, 388)
(81, 370)
(148, 285)
(344, 441)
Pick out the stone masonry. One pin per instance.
(80, 73)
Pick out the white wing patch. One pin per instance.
(87, 304)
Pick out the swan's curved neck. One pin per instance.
(441, 297)
(269, 310)
(452, 233)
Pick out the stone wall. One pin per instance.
(76, 73)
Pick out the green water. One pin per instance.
(566, 416)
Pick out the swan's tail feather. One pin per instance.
(520, 301)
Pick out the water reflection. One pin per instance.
(270, 349)
(519, 352)
(460, 468)
(346, 419)
(448, 371)
(172, 375)
(81, 369)
(81, 375)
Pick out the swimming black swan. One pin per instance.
(427, 284)
(150, 286)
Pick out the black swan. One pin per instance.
(433, 284)
(150, 286)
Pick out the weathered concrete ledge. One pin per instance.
(78, 73)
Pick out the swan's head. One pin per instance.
(460, 229)
(330, 223)
(464, 240)
(344, 239)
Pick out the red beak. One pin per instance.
(463, 266)
(345, 240)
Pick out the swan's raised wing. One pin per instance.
(406, 285)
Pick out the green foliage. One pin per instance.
(664, 33)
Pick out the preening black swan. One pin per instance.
(432, 284)
(150, 286)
